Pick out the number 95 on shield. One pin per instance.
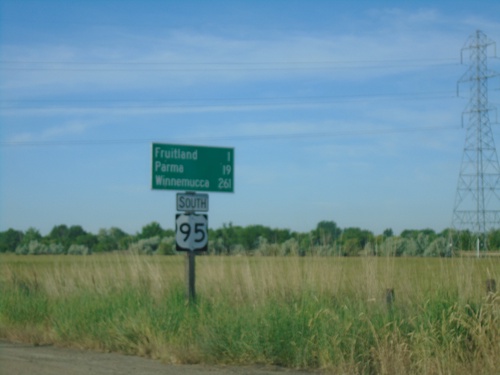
(191, 232)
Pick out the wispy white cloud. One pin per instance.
(49, 133)
(183, 59)
(141, 109)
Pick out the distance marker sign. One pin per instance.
(192, 168)
(191, 232)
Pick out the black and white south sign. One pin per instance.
(191, 232)
(192, 202)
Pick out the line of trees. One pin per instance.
(326, 239)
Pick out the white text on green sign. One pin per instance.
(192, 168)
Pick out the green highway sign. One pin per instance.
(192, 168)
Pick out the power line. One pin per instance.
(255, 137)
(187, 66)
(221, 69)
(283, 62)
(209, 102)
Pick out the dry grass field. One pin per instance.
(328, 313)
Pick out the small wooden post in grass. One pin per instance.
(389, 296)
(491, 286)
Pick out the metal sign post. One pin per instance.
(190, 276)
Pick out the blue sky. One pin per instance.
(337, 110)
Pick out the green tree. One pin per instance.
(119, 237)
(59, 234)
(227, 233)
(388, 233)
(494, 239)
(249, 236)
(393, 246)
(152, 229)
(104, 242)
(111, 239)
(67, 236)
(280, 235)
(439, 247)
(10, 240)
(354, 240)
(414, 233)
(32, 234)
(74, 232)
(167, 246)
(326, 233)
(79, 250)
(88, 240)
(145, 246)
(466, 240)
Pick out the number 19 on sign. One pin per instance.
(191, 232)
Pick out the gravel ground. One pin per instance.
(24, 359)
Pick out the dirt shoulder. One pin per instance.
(24, 359)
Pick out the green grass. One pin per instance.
(314, 313)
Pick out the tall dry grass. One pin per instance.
(319, 313)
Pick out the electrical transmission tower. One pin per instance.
(477, 200)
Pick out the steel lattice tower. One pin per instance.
(477, 200)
